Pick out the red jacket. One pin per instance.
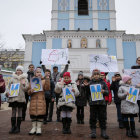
(109, 97)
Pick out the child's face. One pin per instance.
(96, 76)
(80, 77)
(129, 82)
(67, 79)
(85, 81)
(47, 74)
(102, 77)
(19, 72)
(38, 74)
(31, 68)
(118, 77)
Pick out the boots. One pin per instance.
(133, 131)
(128, 132)
(121, 125)
(33, 130)
(39, 125)
(64, 121)
(45, 120)
(18, 124)
(93, 133)
(13, 124)
(103, 134)
(68, 125)
(78, 118)
(82, 118)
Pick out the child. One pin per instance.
(17, 102)
(128, 109)
(66, 108)
(97, 108)
(37, 108)
(2, 87)
(81, 100)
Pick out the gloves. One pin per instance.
(68, 62)
(40, 62)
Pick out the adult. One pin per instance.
(137, 67)
(2, 87)
(56, 76)
(115, 87)
(30, 74)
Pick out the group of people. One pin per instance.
(42, 102)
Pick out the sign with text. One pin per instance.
(133, 95)
(14, 90)
(54, 56)
(96, 92)
(68, 95)
(104, 63)
(36, 84)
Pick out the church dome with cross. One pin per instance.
(84, 27)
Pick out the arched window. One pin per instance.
(82, 7)
(84, 43)
(69, 44)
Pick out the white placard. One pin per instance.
(68, 95)
(54, 56)
(36, 84)
(104, 63)
(96, 94)
(134, 74)
(133, 95)
(14, 90)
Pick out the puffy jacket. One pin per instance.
(38, 103)
(126, 107)
(104, 87)
(58, 90)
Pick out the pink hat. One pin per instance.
(126, 78)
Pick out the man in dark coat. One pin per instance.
(30, 74)
(115, 87)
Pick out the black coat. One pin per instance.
(81, 100)
(104, 87)
(135, 67)
(115, 87)
(30, 75)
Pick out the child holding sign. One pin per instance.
(66, 103)
(97, 90)
(37, 108)
(17, 87)
(128, 109)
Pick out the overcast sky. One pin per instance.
(19, 17)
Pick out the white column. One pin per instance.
(119, 48)
(111, 4)
(95, 20)
(94, 4)
(71, 15)
(49, 43)
(138, 48)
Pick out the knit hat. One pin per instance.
(38, 69)
(102, 73)
(19, 68)
(80, 73)
(117, 73)
(96, 71)
(67, 74)
(126, 78)
(55, 67)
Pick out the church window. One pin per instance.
(82, 7)
(84, 43)
(69, 44)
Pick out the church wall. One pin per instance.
(129, 53)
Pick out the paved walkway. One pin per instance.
(52, 131)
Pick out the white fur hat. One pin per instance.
(19, 68)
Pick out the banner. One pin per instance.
(133, 95)
(68, 95)
(54, 56)
(36, 84)
(96, 92)
(14, 90)
(104, 63)
(134, 74)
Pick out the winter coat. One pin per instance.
(17, 79)
(135, 67)
(103, 86)
(126, 107)
(81, 100)
(115, 87)
(37, 102)
(2, 88)
(49, 94)
(59, 90)
(30, 75)
(109, 97)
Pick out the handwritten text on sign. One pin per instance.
(14, 90)
(54, 56)
(36, 84)
(133, 95)
(96, 92)
(68, 95)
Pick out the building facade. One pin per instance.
(85, 27)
